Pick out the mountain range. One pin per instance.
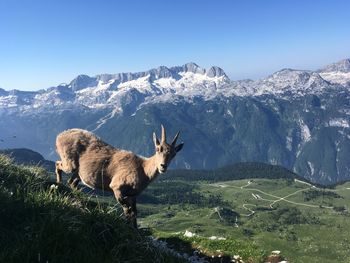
(299, 119)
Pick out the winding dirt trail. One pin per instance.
(276, 199)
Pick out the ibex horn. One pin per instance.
(175, 139)
(163, 134)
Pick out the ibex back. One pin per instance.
(101, 166)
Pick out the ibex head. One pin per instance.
(165, 152)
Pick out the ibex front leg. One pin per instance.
(58, 171)
(129, 207)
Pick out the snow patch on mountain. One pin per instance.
(338, 73)
(304, 132)
(228, 112)
(311, 168)
(142, 84)
(339, 122)
(104, 119)
(290, 81)
(289, 141)
(342, 78)
(8, 101)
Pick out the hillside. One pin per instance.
(28, 157)
(246, 170)
(41, 222)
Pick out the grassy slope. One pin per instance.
(41, 224)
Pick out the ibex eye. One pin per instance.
(160, 149)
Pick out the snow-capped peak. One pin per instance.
(286, 81)
(212, 72)
(84, 81)
(338, 73)
(3, 92)
(189, 67)
(215, 72)
(340, 66)
(171, 83)
(115, 90)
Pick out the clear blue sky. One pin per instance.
(44, 43)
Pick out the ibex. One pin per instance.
(100, 166)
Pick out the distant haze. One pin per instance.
(46, 42)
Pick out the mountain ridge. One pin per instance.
(299, 119)
(213, 71)
(188, 81)
(342, 66)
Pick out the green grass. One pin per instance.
(39, 223)
(225, 248)
(305, 231)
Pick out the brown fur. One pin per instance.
(102, 166)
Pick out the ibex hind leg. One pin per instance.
(134, 212)
(58, 171)
(74, 180)
(129, 207)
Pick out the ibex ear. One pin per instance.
(179, 147)
(155, 140)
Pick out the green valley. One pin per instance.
(305, 222)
